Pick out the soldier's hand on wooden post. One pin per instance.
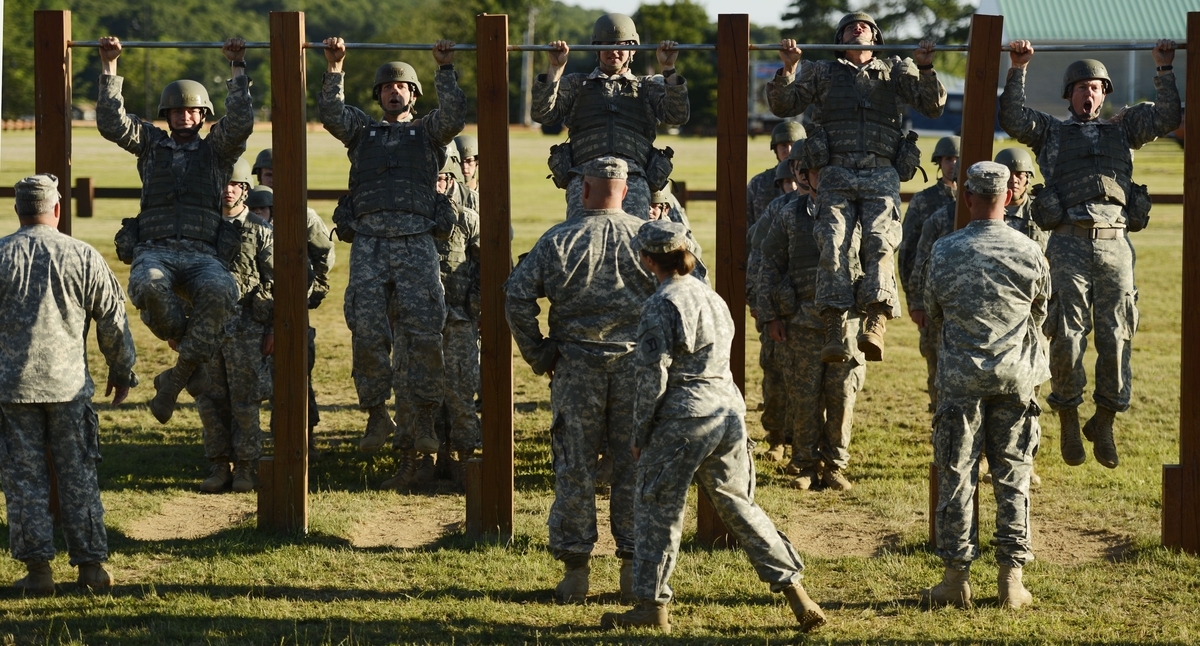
(110, 51)
(121, 393)
(442, 52)
(789, 53)
(1164, 52)
(923, 55)
(335, 53)
(667, 54)
(1019, 53)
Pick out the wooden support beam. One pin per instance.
(733, 60)
(979, 100)
(85, 197)
(1186, 499)
(52, 102)
(283, 504)
(495, 206)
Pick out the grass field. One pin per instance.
(383, 567)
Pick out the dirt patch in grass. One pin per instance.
(1056, 541)
(193, 515)
(415, 522)
(837, 534)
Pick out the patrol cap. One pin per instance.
(987, 178)
(37, 194)
(661, 236)
(606, 168)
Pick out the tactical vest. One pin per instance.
(617, 125)
(455, 270)
(244, 267)
(803, 254)
(400, 177)
(856, 124)
(1085, 171)
(187, 206)
(1019, 218)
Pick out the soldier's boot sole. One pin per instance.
(1069, 442)
(574, 586)
(834, 353)
(38, 581)
(807, 612)
(94, 577)
(627, 595)
(644, 615)
(1011, 589)
(871, 345)
(953, 590)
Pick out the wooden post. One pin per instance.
(491, 38)
(979, 101)
(85, 197)
(1181, 488)
(52, 102)
(733, 60)
(681, 194)
(283, 503)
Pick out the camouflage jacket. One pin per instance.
(683, 342)
(1141, 124)
(254, 267)
(55, 288)
(922, 205)
(754, 241)
(988, 287)
(461, 283)
(666, 101)
(788, 95)
(760, 192)
(938, 225)
(586, 266)
(1018, 217)
(321, 256)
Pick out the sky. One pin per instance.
(762, 12)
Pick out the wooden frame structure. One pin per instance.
(283, 503)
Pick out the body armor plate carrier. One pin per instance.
(861, 124)
(180, 206)
(611, 125)
(1086, 171)
(400, 177)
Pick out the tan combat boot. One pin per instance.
(219, 478)
(38, 582)
(406, 471)
(94, 577)
(834, 350)
(775, 453)
(574, 585)
(1099, 431)
(627, 581)
(426, 471)
(870, 340)
(807, 612)
(168, 385)
(1069, 442)
(836, 479)
(379, 428)
(954, 590)
(1012, 591)
(647, 614)
(424, 431)
(243, 477)
(806, 478)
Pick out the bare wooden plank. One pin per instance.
(289, 498)
(1189, 349)
(979, 100)
(52, 102)
(1172, 506)
(85, 197)
(491, 38)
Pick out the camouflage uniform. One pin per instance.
(988, 286)
(857, 187)
(770, 357)
(690, 426)
(394, 301)
(760, 192)
(820, 396)
(1093, 279)
(55, 287)
(664, 103)
(229, 408)
(596, 285)
(164, 269)
(321, 257)
(922, 206)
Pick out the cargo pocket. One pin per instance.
(91, 432)
(1127, 316)
(948, 430)
(1031, 432)
(650, 476)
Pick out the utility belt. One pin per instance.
(859, 162)
(1092, 233)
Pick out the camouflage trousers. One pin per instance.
(871, 198)
(1005, 429)
(314, 415)
(166, 284)
(458, 426)
(774, 387)
(69, 432)
(1092, 284)
(715, 451)
(593, 412)
(636, 202)
(395, 310)
(930, 340)
(229, 409)
(820, 398)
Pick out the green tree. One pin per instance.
(814, 21)
(683, 21)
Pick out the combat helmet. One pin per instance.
(1085, 70)
(614, 28)
(242, 174)
(857, 16)
(262, 161)
(393, 72)
(786, 132)
(783, 170)
(946, 147)
(184, 94)
(452, 164)
(468, 146)
(662, 195)
(260, 197)
(1016, 159)
(797, 155)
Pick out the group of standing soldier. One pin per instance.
(638, 346)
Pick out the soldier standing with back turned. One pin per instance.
(862, 157)
(1090, 203)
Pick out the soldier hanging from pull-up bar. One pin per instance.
(179, 245)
